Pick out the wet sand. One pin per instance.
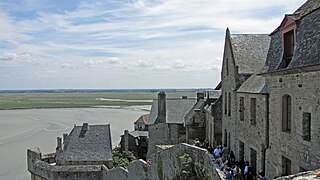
(22, 129)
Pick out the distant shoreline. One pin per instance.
(101, 90)
(93, 107)
(43, 100)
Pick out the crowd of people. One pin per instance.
(224, 159)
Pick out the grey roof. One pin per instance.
(214, 94)
(254, 84)
(306, 52)
(307, 8)
(136, 134)
(142, 119)
(191, 117)
(91, 145)
(249, 51)
(177, 109)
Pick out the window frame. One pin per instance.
(286, 113)
(306, 131)
(253, 111)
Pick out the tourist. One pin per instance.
(217, 152)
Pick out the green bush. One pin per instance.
(123, 159)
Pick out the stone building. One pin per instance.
(166, 121)
(136, 142)
(213, 111)
(242, 131)
(141, 123)
(81, 156)
(292, 75)
(194, 121)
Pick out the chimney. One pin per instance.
(162, 111)
(200, 95)
(126, 140)
(59, 145)
(65, 139)
(85, 127)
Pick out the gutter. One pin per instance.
(267, 143)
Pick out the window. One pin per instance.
(286, 166)
(288, 47)
(225, 137)
(229, 104)
(253, 104)
(225, 103)
(306, 126)
(253, 160)
(241, 109)
(229, 142)
(286, 113)
(241, 150)
(227, 67)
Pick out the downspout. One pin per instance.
(266, 145)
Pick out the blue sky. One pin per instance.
(124, 43)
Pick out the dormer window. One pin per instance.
(287, 29)
(288, 47)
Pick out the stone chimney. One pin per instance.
(162, 110)
(200, 95)
(85, 127)
(65, 139)
(126, 140)
(59, 145)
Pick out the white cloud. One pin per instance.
(8, 56)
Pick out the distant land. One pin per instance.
(86, 98)
(101, 90)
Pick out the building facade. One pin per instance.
(293, 76)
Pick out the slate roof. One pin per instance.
(91, 145)
(177, 109)
(214, 94)
(249, 51)
(307, 8)
(189, 118)
(136, 134)
(254, 84)
(306, 52)
(142, 119)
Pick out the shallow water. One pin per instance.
(22, 129)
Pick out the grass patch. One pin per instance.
(80, 100)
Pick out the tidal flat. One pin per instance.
(23, 129)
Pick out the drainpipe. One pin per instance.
(266, 145)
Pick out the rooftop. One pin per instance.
(136, 134)
(254, 84)
(143, 119)
(93, 144)
(249, 51)
(177, 109)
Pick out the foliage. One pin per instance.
(186, 166)
(123, 159)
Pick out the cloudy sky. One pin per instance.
(124, 43)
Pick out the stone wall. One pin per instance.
(304, 90)
(253, 136)
(165, 164)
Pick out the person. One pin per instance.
(217, 151)
(246, 168)
(262, 176)
(249, 175)
(236, 172)
(228, 173)
(197, 142)
(232, 157)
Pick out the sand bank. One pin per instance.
(22, 129)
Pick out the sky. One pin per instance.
(124, 44)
